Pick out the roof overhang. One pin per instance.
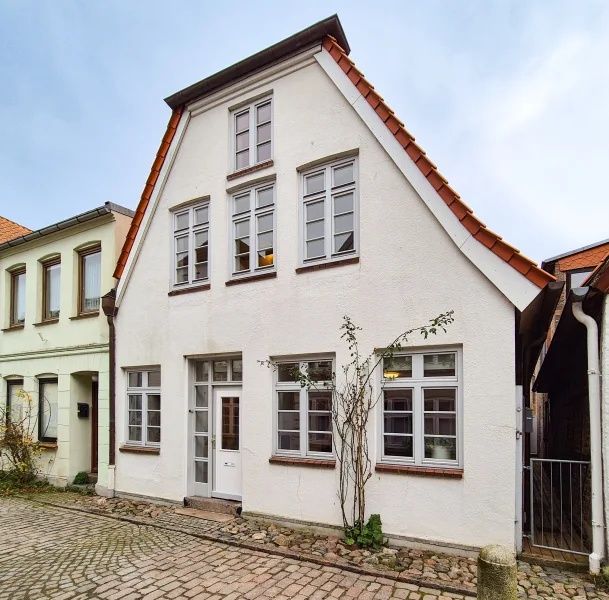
(569, 338)
(296, 43)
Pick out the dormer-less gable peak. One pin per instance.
(330, 34)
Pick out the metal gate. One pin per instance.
(561, 505)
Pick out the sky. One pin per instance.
(508, 98)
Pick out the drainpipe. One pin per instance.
(594, 399)
(109, 308)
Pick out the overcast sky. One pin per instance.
(509, 98)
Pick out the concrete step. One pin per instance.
(217, 505)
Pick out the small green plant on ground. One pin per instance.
(10, 485)
(369, 535)
(81, 478)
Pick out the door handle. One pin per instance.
(213, 441)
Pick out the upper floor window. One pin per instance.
(51, 274)
(17, 297)
(89, 280)
(421, 409)
(144, 408)
(191, 244)
(252, 134)
(303, 416)
(329, 211)
(253, 224)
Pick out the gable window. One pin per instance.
(144, 408)
(329, 212)
(577, 277)
(303, 417)
(90, 280)
(17, 297)
(191, 245)
(252, 134)
(51, 289)
(421, 409)
(253, 230)
(48, 410)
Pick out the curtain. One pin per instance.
(19, 299)
(48, 410)
(92, 282)
(53, 291)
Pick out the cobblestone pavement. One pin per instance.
(49, 552)
(432, 569)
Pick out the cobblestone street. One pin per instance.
(48, 552)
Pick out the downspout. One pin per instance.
(596, 463)
(109, 308)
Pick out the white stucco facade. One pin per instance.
(409, 271)
(72, 350)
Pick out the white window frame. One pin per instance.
(189, 232)
(287, 386)
(418, 383)
(144, 391)
(327, 195)
(251, 110)
(251, 216)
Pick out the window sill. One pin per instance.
(48, 445)
(139, 449)
(302, 462)
(48, 322)
(248, 170)
(425, 471)
(248, 278)
(85, 316)
(328, 265)
(13, 328)
(190, 290)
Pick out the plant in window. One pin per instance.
(352, 401)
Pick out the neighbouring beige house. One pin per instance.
(54, 337)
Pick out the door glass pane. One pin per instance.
(439, 365)
(200, 471)
(201, 371)
(237, 366)
(230, 423)
(201, 421)
(220, 370)
(201, 396)
(201, 446)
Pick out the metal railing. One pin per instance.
(560, 505)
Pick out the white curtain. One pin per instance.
(53, 291)
(19, 300)
(92, 284)
(48, 410)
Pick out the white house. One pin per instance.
(54, 343)
(285, 195)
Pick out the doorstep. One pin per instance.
(213, 505)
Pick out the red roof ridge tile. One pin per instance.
(464, 213)
(155, 171)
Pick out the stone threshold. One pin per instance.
(423, 582)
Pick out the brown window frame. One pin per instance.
(45, 266)
(81, 279)
(14, 274)
(41, 384)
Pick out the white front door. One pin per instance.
(226, 443)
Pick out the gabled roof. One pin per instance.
(107, 208)
(323, 32)
(464, 213)
(576, 251)
(10, 230)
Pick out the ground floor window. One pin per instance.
(303, 416)
(47, 410)
(421, 409)
(144, 408)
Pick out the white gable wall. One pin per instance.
(409, 271)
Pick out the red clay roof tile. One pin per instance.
(491, 240)
(9, 230)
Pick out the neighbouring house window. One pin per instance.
(421, 409)
(144, 408)
(329, 211)
(253, 223)
(47, 410)
(303, 417)
(191, 245)
(252, 134)
(90, 280)
(14, 404)
(51, 289)
(577, 277)
(18, 297)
